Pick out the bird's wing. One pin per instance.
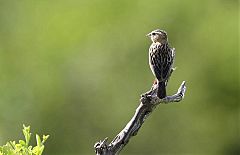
(154, 61)
(161, 60)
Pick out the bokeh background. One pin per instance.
(75, 69)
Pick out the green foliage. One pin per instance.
(23, 147)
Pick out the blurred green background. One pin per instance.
(75, 69)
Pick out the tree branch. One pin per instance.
(148, 103)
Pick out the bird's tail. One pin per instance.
(161, 93)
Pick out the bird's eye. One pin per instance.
(153, 33)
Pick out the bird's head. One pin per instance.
(158, 36)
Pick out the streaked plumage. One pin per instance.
(161, 58)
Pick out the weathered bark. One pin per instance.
(148, 103)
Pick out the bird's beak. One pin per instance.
(148, 35)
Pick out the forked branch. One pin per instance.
(148, 103)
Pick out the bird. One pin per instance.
(161, 59)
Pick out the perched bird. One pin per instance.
(161, 58)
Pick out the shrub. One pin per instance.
(23, 147)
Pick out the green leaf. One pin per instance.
(27, 134)
(45, 137)
(22, 143)
(39, 142)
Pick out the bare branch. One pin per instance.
(148, 103)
